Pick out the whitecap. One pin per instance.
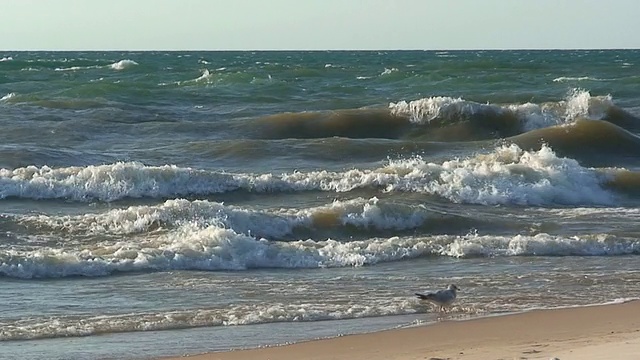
(578, 104)
(581, 78)
(507, 175)
(123, 64)
(270, 223)
(214, 248)
(8, 96)
(388, 71)
(231, 315)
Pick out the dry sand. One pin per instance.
(596, 332)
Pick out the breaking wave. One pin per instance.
(507, 175)
(589, 141)
(241, 314)
(277, 224)
(443, 118)
(214, 248)
(118, 65)
(524, 117)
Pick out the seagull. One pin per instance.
(442, 298)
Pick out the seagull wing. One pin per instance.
(445, 296)
(428, 296)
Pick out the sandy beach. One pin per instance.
(595, 332)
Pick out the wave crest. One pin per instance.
(123, 64)
(213, 248)
(273, 224)
(240, 314)
(575, 78)
(8, 96)
(446, 110)
(590, 141)
(508, 175)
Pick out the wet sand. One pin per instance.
(595, 332)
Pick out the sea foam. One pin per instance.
(578, 104)
(507, 175)
(577, 78)
(8, 96)
(118, 65)
(239, 314)
(123, 64)
(269, 223)
(214, 248)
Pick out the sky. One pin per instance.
(318, 24)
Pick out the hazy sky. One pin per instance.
(317, 24)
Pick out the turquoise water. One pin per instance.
(176, 203)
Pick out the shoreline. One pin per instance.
(587, 332)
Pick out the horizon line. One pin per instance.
(321, 50)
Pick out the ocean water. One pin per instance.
(168, 203)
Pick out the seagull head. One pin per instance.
(452, 287)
